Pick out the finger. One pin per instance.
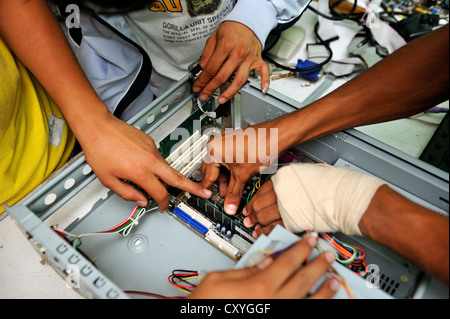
(156, 190)
(212, 82)
(263, 217)
(210, 174)
(178, 180)
(259, 230)
(240, 79)
(207, 53)
(265, 188)
(233, 195)
(327, 290)
(209, 50)
(290, 261)
(304, 280)
(259, 195)
(264, 73)
(223, 182)
(213, 74)
(127, 192)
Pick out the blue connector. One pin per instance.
(188, 220)
(311, 75)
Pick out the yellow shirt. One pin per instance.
(34, 137)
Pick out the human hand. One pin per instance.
(231, 48)
(262, 211)
(117, 151)
(244, 153)
(274, 277)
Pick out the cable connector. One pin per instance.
(195, 71)
(312, 74)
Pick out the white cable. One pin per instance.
(200, 106)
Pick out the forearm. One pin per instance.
(33, 34)
(409, 81)
(416, 233)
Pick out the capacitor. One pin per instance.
(223, 230)
(228, 235)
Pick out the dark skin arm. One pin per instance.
(409, 81)
(416, 233)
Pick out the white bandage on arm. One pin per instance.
(323, 198)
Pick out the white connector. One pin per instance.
(222, 244)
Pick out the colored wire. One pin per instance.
(348, 255)
(333, 272)
(123, 228)
(180, 275)
(256, 186)
(150, 294)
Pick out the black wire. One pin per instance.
(181, 277)
(311, 68)
(338, 16)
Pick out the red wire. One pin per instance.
(133, 213)
(178, 285)
(153, 295)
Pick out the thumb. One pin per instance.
(233, 195)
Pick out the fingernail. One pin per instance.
(244, 211)
(329, 256)
(254, 234)
(312, 241)
(141, 203)
(266, 88)
(222, 100)
(247, 222)
(230, 209)
(207, 192)
(203, 97)
(263, 264)
(334, 284)
(196, 89)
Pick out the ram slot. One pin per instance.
(195, 215)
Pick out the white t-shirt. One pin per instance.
(174, 34)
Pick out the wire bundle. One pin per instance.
(349, 255)
(124, 228)
(179, 278)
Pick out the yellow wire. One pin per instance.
(343, 282)
(182, 289)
